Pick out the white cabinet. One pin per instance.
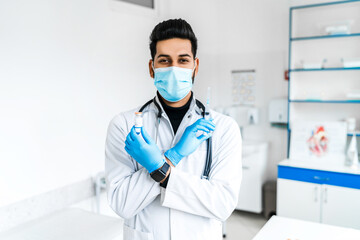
(325, 196)
(253, 176)
(341, 206)
(299, 200)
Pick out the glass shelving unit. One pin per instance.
(324, 101)
(349, 134)
(316, 38)
(325, 37)
(322, 69)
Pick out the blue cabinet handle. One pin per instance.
(321, 179)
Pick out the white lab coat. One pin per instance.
(190, 207)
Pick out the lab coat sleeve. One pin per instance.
(128, 191)
(216, 197)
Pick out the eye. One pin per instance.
(184, 60)
(163, 60)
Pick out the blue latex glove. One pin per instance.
(189, 141)
(144, 150)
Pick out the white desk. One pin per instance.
(281, 228)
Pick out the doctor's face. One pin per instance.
(173, 52)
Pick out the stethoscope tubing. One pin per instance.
(208, 161)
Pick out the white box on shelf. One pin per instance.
(351, 62)
(336, 30)
(338, 27)
(313, 64)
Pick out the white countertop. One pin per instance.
(323, 165)
(70, 223)
(282, 228)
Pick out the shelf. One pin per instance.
(301, 101)
(325, 101)
(322, 69)
(322, 4)
(357, 133)
(325, 37)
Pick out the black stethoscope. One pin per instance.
(206, 172)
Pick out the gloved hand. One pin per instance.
(189, 142)
(144, 150)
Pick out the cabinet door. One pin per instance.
(253, 165)
(341, 206)
(250, 191)
(299, 200)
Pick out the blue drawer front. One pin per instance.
(320, 177)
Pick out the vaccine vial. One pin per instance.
(138, 122)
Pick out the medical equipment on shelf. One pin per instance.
(204, 113)
(352, 153)
(138, 122)
(351, 124)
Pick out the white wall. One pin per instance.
(257, 40)
(253, 35)
(242, 35)
(67, 67)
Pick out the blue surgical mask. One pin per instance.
(173, 83)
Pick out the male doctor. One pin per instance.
(154, 178)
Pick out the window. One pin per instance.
(144, 3)
(144, 8)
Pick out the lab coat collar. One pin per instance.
(192, 108)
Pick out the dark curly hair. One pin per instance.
(172, 28)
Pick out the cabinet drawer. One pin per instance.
(320, 177)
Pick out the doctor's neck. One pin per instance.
(180, 103)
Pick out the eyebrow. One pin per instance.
(163, 55)
(181, 55)
(184, 55)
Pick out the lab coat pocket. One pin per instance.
(133, 234)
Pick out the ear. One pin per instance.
(151, 71)
(197, 66)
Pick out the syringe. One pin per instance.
(207, 107)
(209, 140)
